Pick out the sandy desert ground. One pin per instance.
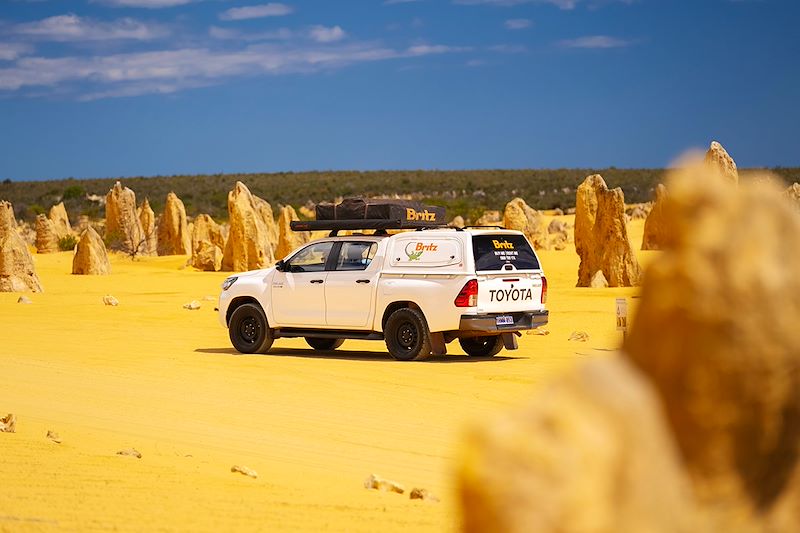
(163, 380)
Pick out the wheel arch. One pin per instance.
(394, 306)
(238, 302)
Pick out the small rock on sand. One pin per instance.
(24, 300)
(8, 424)
(130, 452)
(385, 485)
(194, 305)
(422, 494)
(539, 331)
(110, 300)
(580, 336)
(249, 472)
(53, 436)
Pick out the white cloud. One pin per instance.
(320, 34)
(74, 28)
(595, 41)
(508, 48)
(11, 51)
(517, 24)
(323, 34)
(168, 71)
(148, 4)
(256, 12)
(230, 34)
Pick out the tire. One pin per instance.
(319, 343)
(248, 329)
(407, 336)
(482, 346)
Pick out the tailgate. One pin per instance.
(509, 274)
(509, 291)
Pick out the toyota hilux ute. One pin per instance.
(416, 290)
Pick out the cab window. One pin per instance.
(356, 255)
(312, 258)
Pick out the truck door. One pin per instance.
(298, 293)
(351, 285)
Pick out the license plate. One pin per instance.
(504, 320)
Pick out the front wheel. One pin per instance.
(482, 346)
(319, 343)
(407, 336)
(248, 329)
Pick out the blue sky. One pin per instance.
(97, 88)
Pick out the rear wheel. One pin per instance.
(248, 329)
(407, 336)
(319, 343)
(482, 346)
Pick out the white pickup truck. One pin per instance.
(416, 290)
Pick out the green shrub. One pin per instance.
(73, 191)
(67, 243)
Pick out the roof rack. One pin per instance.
(379, 224)
(489, 227)
(457, 228)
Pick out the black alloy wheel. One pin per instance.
(407, 336)
(248, 329)
(487, 346)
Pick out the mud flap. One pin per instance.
(510, 341)
(438, 346)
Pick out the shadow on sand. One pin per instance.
(353, 355)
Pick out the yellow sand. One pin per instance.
(165, 381)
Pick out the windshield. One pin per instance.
(493, 251)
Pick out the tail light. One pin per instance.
(544, 290)
(468, 297)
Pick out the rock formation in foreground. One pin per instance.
(248, 246)
(590, 453)
(90, 255)
(601, 235)
(46, 236)
(721, 163)
(696, 426)
(123, 226)
(656, 226)
(208, 244)
(716, 333)
(521, 217)
(289, 240)
(173, 232)
(17, 272)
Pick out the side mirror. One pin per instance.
(280, 266)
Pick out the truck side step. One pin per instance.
(327, 334)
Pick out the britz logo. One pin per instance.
(417, 248)
(510, 295)
(413, 214)
(502, 245)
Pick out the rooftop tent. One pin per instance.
(373, 213)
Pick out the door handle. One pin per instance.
(316, 281)
(362, 281)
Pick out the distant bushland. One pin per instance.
(463, 192)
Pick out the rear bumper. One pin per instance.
(488, 322)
